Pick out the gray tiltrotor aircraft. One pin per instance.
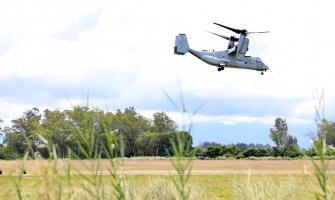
(233, 57)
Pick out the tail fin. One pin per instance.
(181, 45)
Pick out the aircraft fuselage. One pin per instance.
(222, 59)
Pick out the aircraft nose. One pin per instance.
(265, 67)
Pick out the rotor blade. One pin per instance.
(232, 29)
(258, 32)
(231, 38)
(222, 36)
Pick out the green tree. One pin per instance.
(60, 130)
(251, 151)
(311, 152)
(292, 151)
(291, 140)
(88, 130)
(279, 135)
(213, 151)
(230, 151)
(205, 145)
(330, 132)
(199, 152)
(153, 144)
(130, 125)
(1, 135)
(159, 137)
(20, 136)
(162, 123)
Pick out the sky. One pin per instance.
(116, 54)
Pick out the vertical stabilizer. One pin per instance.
(181, 45)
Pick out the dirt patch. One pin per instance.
(165, 167)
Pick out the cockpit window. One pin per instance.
(258, 59)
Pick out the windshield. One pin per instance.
(258, 59)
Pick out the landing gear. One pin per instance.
(220, 68)
(262, 73)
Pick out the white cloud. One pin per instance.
(39, 18)
(305, 108)
(236, 119)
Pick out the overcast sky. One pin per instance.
(55, 54)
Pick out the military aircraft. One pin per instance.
(233, 57)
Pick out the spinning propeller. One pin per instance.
(243, 31)
(231, 38)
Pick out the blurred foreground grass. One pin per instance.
(161, 187)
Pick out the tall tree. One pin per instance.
(1, 130)
(279, 135)
(20, 136)
(129, 124)
(58, 129)
(291, 140)
(330, 132)
(162, 123)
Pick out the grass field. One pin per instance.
(210, 179)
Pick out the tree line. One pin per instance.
(73, 130)
(79, 129)
(286, 145)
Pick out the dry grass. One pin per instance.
(263, 187)
(164, 167)
(151, 179)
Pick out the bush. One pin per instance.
(230, 151)
(257, 152)
(240, 155)
(292, 151)
(310, 152)
(6, 154)
(213, 151)
(330, 151)
(264, 152)
(251, 151)
(198, 152)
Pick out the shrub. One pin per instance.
(310, 152)
(292, 151)
(258, 152)
(6, 154)
(330, 152)
(230, 151)
(263, 152)
(198, 152)
(240, 155)
(213, 151)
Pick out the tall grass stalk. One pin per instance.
(182, 166)
(321, 167)
(182, 148)
(20, 194)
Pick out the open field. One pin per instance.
(212, 179)
(164, 167)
